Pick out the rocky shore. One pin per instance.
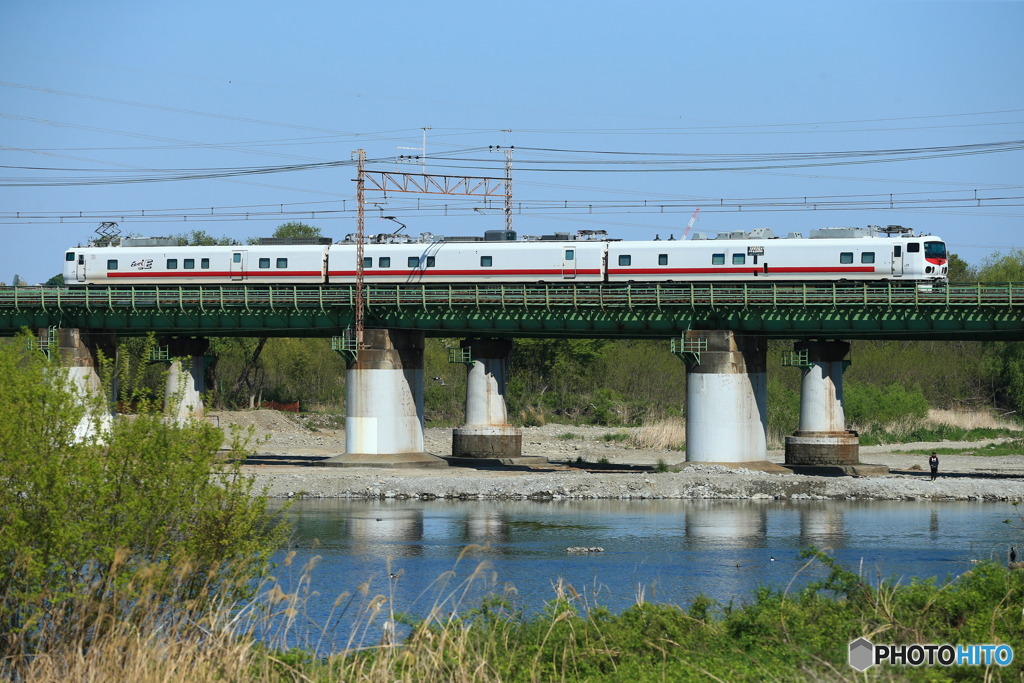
(586, 463)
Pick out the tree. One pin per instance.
(960, 271)
(201, 238)
(296, 230)
(1003, 267)
(55, 281)
(89, 531)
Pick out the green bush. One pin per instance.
(867, 404)
(152, 501)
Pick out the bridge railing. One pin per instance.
(510, 296)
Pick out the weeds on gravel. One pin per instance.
(1015, 447)
(939, 432)
(616, 436)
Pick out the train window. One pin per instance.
(625, 259)
(189, 263)
(172, 263)
(112, 264)
(264, 263)
(486, 261)
(662, 259)
(846, 257)
(204, 263)
(430, 262)
(384, 262)
(367, 262)
(282, 263)
(867, 257)
(414, 261)
(718, 259)
(934, 250)
(570, 254)
(739, 259)
(913, 247)
(70, 256)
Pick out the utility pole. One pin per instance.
(360, 242)
(508, 188)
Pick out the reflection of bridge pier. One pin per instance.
(383, 526)
(485, 526)
(726, 396)
(821, 524)
(384, 403)
(742, 522)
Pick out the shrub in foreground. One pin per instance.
(89, 528)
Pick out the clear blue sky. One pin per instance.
(136, 90)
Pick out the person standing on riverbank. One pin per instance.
(933, 463)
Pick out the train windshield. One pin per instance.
(935, 250)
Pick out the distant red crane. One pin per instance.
(693, 219)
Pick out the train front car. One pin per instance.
(829, 255)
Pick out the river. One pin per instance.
(449, 554)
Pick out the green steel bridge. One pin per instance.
(785, 311)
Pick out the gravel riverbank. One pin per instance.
(287, 452)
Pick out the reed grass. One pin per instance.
(660, 435)
(777, 634)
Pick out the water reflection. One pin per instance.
(821, 525)
(666, 550)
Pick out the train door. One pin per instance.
(237, 265)
(80, 268)
(568, 263)
(897, 260)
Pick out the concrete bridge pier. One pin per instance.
(822, 439)
(384, 403)
(186, 382)
(80, 355)
(726, 397)
(487, 433)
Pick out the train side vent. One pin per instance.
(281, 241)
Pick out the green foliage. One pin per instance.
(201, 238)
(1004, 368)
(296, 230)
(151, 501)
(777, 635)
(867, 404)
(960, 270)
(1003, 267)
(55, 281)
(940, 432)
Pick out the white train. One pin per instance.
(828, 255)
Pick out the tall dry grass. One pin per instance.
(971, 419)
(270, 638)
(660, 435)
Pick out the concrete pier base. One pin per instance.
(726, 398)
(822, 443)
(487, 433)
(384, 404)
(79, 354)
(183, 394)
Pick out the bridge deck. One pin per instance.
(976, 311)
